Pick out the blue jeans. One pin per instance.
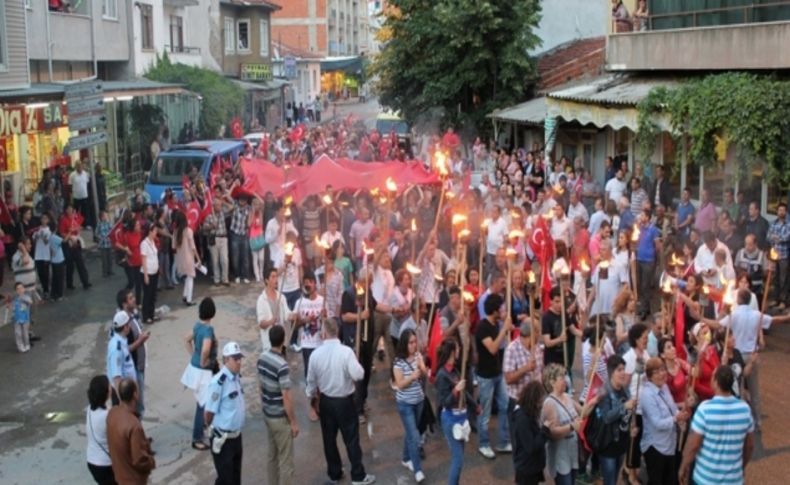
(197, 426)
(568, 479)
(609, 468)
(490, 390)
(410, 416)
(456, 448)
(240, 255)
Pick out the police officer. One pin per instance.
(225, 414)
(119, 361)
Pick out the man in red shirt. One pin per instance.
(69, 229)
(450, 140)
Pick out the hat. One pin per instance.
(120, 319)
(525, 330)
(231, 349)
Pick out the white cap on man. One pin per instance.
(120, 319)
(232, 349)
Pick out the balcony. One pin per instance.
(184, 54)
(752, 35)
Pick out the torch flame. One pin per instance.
(288, 200)
(773, 255)
(326, 199)
(548, 215)
(366, 250)
(706, 289)
(414, 225)
(391, 185)
(510, 252)
(515, 234)
(464, 233)
(468, 296)
(666, 287)
(531, 277)
(413, 269)
(458, 219)
(438, 277)
(728, 296)
(374, 191)
(676, 261)
(485, 224)
(515, 214)
(289, 249)
(603, 264)
(441, 163)
(635, 233)
(449, 194)
(584, 266)
(383, 199)
(287, 212)
(360, 290)
(565, 271)
(558, 189)
(321, 243)
(722, 280)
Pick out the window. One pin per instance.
(264, 38)
(176, 34)
(109, 9)
(147, 26)
(29, 4)
(243, 35)
(230, 35)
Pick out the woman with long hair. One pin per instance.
(201, 345)
(129, 244)
(187, 256)
(99, 462)
(449, 389)
(678, 372)
(408, 370)
(624, 313)
(256, 230)
(343, 263)
(165, 243)
(530, 435)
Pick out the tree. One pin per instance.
(466, 57)
(222, 98)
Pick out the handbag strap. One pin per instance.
(570, 416)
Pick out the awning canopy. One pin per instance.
(181, 3)
(55, 91)
(350, 65)
(533, 112)
(608, 101)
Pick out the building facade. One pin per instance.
(14, 71)
(326, 27)
(302, 69)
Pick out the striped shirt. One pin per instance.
(412, 394)
(273, 376)
(24, 270)
(724, 423)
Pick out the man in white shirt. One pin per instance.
(333, 234)
(271, 308)
(615, 187)
(79, 179)
(561, 227)
(597, 217)
(334, 370)
(496, 236)
(545, 203)
(705, 261)
(577, 209)
(276, 230)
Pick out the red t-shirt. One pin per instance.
(132, 240)
(70, 225)
(677, 383)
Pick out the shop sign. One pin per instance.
(289, 65)
(20, 119)
(255, 72)
(3, 157)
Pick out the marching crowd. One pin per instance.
(478, 299)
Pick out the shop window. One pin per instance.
(28, 4)
(147, 26)
(264, 30)
(243, 35)
(230, 35)
(109, 9)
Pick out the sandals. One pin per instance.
(199, 445)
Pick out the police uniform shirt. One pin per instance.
(119, 360)
(226, 401)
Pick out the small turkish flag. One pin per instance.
(193, 215)
(236, 129)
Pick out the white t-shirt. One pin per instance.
(311, 331)
(382, 285)
(615, 189)
(96, 429)
(79, 184)
(42, 251)
(497, 232)
(561, 230)
(291, 277)
(630, 368)
(148, 249)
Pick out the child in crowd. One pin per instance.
(20, 306)
(103, 229)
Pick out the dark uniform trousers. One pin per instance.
(228, 462)
(339, 414)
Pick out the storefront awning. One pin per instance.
(533, 112)
(609, 101)
(350, 65)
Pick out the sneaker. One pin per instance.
(508, 448)
(407, 464)
(365, 481)
(246, 281)
(419, 477)
(487, 452)
(238, 280)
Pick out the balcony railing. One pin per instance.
(182, 49)
(663, 18)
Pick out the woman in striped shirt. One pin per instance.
(408, 369)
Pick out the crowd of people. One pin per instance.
(477, 298)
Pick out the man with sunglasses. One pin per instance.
(225, 414)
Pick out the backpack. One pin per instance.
(595, 433)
